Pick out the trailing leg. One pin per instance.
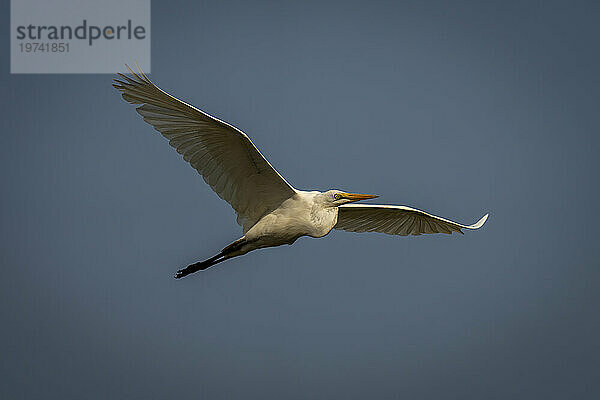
(225, 254)
(199, 266)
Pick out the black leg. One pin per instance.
(222, 256)
(199, 266)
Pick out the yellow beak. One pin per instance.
(357, 197)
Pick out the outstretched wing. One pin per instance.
(395, 220)
(224, 156)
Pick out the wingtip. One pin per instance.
(479, 223)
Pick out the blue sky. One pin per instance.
(458, 109)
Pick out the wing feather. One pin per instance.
(396, 220)
(225, 157)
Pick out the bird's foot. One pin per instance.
(199, 266)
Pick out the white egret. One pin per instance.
(270, 211)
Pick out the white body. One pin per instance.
(303, 214)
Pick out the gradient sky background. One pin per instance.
(458, 108)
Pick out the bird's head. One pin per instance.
(337, 197)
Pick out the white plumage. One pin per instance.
(396, 220)
(269, 209)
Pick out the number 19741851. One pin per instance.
(34, 47)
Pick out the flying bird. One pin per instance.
(270, 210)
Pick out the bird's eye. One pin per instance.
(337, 196)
